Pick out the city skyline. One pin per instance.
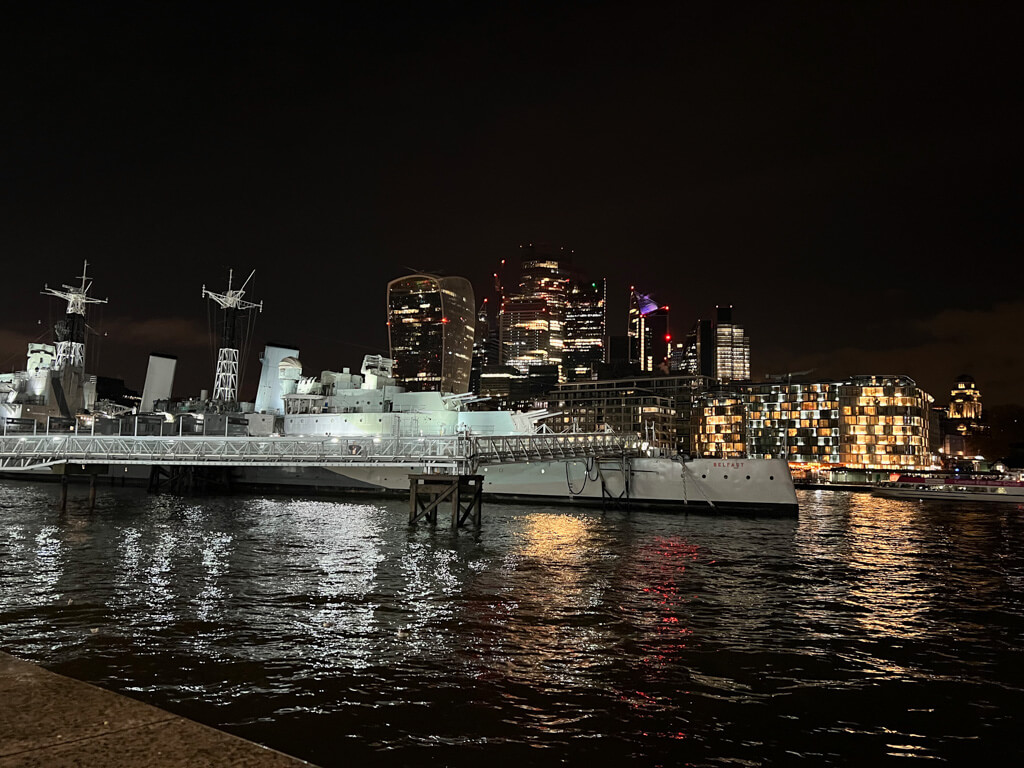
(844, 177)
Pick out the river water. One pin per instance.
(865, 631)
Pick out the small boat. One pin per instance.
(1007, 487)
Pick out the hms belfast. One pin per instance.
(346, 432)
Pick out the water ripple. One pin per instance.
(867, 631)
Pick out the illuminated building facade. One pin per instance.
(485, 346)
(524, 333)
(796, 421)
(965, 400)
(531, 319)
(732, 348)
(719, 349)
(862, 423)
(884, 423)
(585, 329)
(511, 390)
(720, 431)
(697, 356)
(624, 409)
(963, 425)
(431, 324)
(649, 336)
(865, 422)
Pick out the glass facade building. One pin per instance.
(649, 336)
(862, 423)
(431, 322)
(720, 429)
(865, 422)
(719, 349)
(531, 318)
(732, 348)
(585, 329)
(797, 421)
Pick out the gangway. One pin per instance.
(455, 454)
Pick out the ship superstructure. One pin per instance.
(54, 383)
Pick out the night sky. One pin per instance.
(847, 176)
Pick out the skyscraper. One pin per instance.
(718, 349)
(585, 328)
(732, 348)
(698, 356)
(531, 317)
(430, 332)
(648, 331)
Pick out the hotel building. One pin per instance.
(865, 422)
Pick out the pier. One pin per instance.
(51, 720)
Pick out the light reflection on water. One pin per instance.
(866, 629)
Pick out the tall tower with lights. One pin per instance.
(225, 385)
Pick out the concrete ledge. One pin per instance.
(50, 720)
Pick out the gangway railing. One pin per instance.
(460, 454)
(34, 451)
(506, 449)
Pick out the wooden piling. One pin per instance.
(428, 492)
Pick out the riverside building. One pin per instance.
(861, 423)
(655, 407)
(864, 422)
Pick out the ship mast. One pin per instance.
(225, 385)
(70, 334)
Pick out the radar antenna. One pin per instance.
(225, 385)
(70, 334)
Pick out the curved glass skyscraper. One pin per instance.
(430, 332)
